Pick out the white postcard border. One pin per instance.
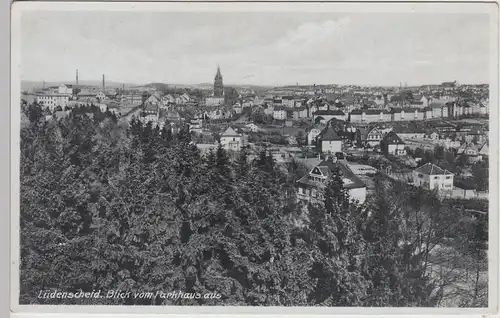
(427, 6)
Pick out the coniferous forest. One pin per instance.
(112, 205)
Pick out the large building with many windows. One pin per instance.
(52, 101)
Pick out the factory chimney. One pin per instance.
(77, 77)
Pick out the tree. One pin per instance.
(480, 170)
(439, 152)
(339, 246)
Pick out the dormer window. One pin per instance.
(347, 181)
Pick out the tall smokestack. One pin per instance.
(103, 82)
(77, 77)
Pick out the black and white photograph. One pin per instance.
(285, 158)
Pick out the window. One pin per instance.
(436, 177)
(234, 139)
(420, 175)
(301, 191)
(448, 177)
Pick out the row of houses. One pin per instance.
(324, 112)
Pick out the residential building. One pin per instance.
(288, 101)
(432, 177)
(231, 140)
(214, 101)
(331, 142)
(154, 99)
(391, 144)
(299, 113)
(279, 113)
(313, 133)
(369, 115)
(253, 127)
(470, 151)
(131, 98)
(311, 186)
(325, 116)
(373, 137)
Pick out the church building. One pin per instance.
(218, 96)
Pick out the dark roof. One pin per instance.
(436, 105)
(432, 169)
(327, 167)
(407, 129)
(151, 107)
(375, 111)
(330, 112)
(393, 138)
(330, 134)
(413, 109)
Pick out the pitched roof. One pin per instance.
(393, 138)
(330, 112)
(230, 133)
(330, 134)
(375, 111)
(326, 167)
(432, 169)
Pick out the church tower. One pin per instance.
(218, 85)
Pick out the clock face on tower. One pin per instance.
(218, 85)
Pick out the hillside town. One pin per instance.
(232, 157)
(433, 136)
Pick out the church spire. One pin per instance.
(218, 84)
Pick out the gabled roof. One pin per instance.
(326, 168)
(329, 134)
(432, 169)
(230, 132)
(393, 138)
(374, 130)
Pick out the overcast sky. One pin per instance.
(256, 48)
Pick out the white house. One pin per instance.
(231, 140)
(253, 127)
(433, 177)
(279, 113)
(313, 133)
(331, 142)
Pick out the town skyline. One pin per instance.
(291, 48)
